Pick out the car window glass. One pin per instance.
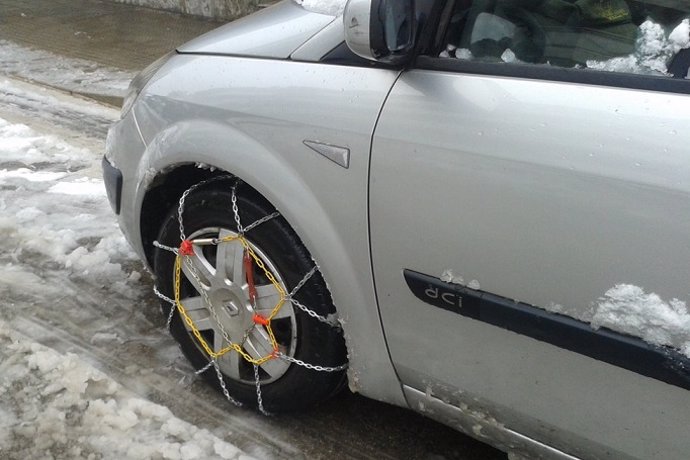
(651, 38)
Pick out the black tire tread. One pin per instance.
(318, 343)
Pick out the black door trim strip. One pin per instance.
(660, 363)
(559, 74)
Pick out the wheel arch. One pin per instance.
(162, 194)
(188, 152)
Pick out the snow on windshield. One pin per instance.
(331, 7)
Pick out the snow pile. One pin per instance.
(653, 50)
(49, 211)
(81, 186)
(58, 406)
(330, 7)
(680, 36)
(21, 144)
(629, 309)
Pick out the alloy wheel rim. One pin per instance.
(215, 275)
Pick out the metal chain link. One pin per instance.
(167, 248)
(303, 281)
(180, 210)
(236, 210)
(259, 399)
(299, 362)
(304, 308)
(172, 303)
(204, 369)
(211, 309)
(331, 322)
(162, 296)
(261, 221)
(185, 194)
(221, 380)
(209, 306)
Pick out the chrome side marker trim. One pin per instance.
(338, 155)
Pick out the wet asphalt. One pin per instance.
(112, 34)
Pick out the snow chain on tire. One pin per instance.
(186, 250)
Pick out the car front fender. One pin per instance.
(341, 251)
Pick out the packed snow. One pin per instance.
(449, 277)
(22, 145)
(55, 405)
(654, 49)
(56, 222)
(330, 7)
(45, 210)
(629, 309)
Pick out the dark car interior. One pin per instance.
(564, 33)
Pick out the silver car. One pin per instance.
(477, 209)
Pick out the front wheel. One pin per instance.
(234, 285)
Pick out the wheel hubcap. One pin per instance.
(216, 296)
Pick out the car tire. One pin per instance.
(285, 385)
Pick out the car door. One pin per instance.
(530, 230)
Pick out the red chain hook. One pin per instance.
(186, 248)
(249, 270)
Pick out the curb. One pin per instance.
(114, 102)
(226, 10)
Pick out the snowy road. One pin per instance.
(87, 369)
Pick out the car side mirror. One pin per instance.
(381, 30)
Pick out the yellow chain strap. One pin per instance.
(231, 346)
